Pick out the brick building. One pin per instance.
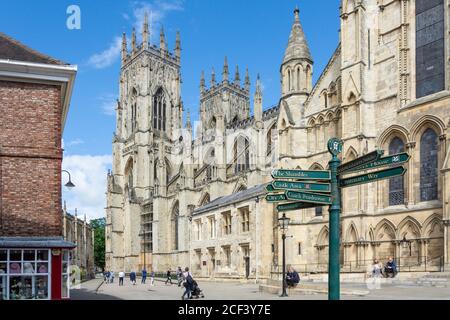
(35, 92)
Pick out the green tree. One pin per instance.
(98, 226)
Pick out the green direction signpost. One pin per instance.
(296, 206)
(301, 185)
(370, 157)
(308, 197)
(384, 161)
(373, 176)
(275, 197)
(301, 174)
(328, 192)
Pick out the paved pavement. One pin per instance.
(239, 291)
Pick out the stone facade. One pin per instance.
(80, 232)
(368, 95)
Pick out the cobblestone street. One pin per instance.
(239, 291)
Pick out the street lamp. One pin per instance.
(283, 223)
(69, 184)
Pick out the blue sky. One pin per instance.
(250, 33)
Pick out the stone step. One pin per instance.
(307, 290)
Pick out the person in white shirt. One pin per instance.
(121, 276)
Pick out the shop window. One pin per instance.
(24, 274)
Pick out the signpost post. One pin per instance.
(302, 189)
(335, 148)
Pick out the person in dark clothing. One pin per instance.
(188, 284)
(390, 269)
(144, 276)
(169, 277)
(292, 278)
(133, 277)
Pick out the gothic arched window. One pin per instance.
(298, 78)
(175, 215)
(159, 110)
(396, 184)
(241, 154)
(429, 165)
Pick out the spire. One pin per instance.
(257, 107)
(258, 86)
(297, 47)
(178, 46)
(65, 207)
(247, 80)
(237, 77)
(162, 40)
(213, 78)
(202, 83)
(145, 32)
(133, 42)
(225, 70)
(124, 47)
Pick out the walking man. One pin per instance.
(111, 276)
(144, 276)
(169, 277)
(121, 276)
(133, 277)
(188, 284)
(152, 278)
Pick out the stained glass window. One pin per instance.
(429, 165)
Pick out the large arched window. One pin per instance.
(396, 184)
(429, 165)
(241, 154)
(175, 215)
(159, 110)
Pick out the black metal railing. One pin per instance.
(404, 264)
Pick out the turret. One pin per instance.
(237, 78)
(247, 80)
(202, 82)
(124, 47)
(296, 69)
(133, 42)
(145, 33)
(178, 46)
(225, 71)
(257, 107)
(213, 78)
(162, 40)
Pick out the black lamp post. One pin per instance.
(69, 184)
(283, 224)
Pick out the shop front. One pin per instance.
(34, 268)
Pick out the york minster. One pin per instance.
(192, 194)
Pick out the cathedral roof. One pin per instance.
(11, 49)
(233, 198)
(297, 46)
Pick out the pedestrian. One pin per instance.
(133, 277)
(188, 284)
(106, 276)
(111, 276)
(169, 277)
(179, 276)
(121, 276)
(292, 278)
(144, 276)
(152, 278)
(390, 269)
(375, 272)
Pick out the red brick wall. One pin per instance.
(30, 159)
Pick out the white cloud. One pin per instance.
(156, 12)
(107, 57)
(108, 103)
(74, 142)
(88, 173)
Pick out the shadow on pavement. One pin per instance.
(84, 294)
